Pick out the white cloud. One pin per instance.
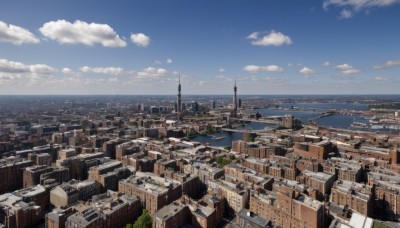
(66, 70)
(103, 70)
(345, 14)
(20, 75)
(112, 80)
(347, 69)
(344, 67)
(150, 73)
(379, 79)
(327, 64)
(247, 78)
(41, 69)
(140, 39)
(387, 64)
(13, 67)
(273, 38)
(350, 6)
(253, 36)
(169, 61)
(359, 4)
(307, 71)
(221, 70)
(278, 81)
(257, 69)
(7, 66)
(16, 35)
(202, 83)
(81, 32)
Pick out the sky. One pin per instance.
(142, 46)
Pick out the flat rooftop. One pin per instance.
(169, 211)
(309, 202)
(318, 175)
(356, 189)
(151, 183)
(255, 219)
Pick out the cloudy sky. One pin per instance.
(141, 47)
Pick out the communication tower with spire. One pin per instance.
(178, 97)
(234, 111)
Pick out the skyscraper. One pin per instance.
(213, 104)
(178, 98)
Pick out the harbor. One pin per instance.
(359, 118)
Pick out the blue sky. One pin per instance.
(141, 47)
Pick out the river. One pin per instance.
(337, 120)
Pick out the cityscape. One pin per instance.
(166, 114)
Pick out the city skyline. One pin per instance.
(141, 47)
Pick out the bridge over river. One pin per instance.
(246, 130)
(261, 120)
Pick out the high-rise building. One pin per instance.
(195, 106)
(142, 107)
(213, 104)
(154, 110)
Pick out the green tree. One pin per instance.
(191, 132)
(252, 138)
(377, 224)
(222, 161)
(209, 129)
(144, 221)
(326, 197)
(128, 226)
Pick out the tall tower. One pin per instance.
(235, 100)
(178, 98)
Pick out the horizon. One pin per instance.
(142, 47)
(2, 95)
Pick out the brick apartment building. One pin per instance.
(288, 208)
(321, 183)
(108, 174)
(355, 196)
(110, 209)
(154, 192)
(185, 211)
(319, 150)
(11, 173)
(236, 195)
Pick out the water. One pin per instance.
(341, 121)
(226, 141)
(334, 105)
(230, 136)
(336, 121)
(308, 115)
(304, 116)
(256, 126)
